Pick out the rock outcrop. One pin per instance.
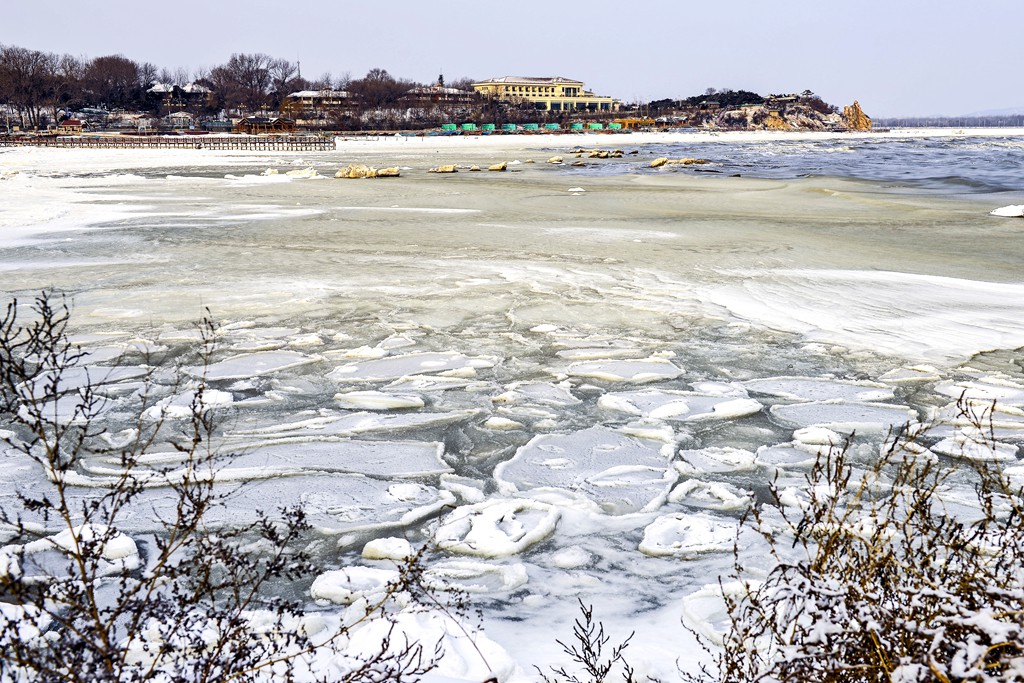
(855, 118)
(447, 168)
(503, 166)
(355, 171)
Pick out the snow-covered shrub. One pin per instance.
(909, 569)
(181, 599)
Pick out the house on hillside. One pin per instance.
(254, 125)
(554, 94)
(312, 104)
(437, 94)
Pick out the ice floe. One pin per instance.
(715, 460)
(387, 549)
(253, 364)
(475, 576)
(377, 400)
(621, 474)
(496, 528)
(1012, 211)
(687, 536)
(345, 586)
(395, 367)
(717, 496)
(679, 405)
(638, 371)
(376, 458)
(843, 417)
(816, 389)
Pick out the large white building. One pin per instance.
(549, 93)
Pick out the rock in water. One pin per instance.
(660, 161)
(855, 118)
(503, 166)
(447, 168)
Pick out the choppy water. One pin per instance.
(524, 375)
(940, 165)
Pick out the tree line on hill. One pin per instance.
(38, 89)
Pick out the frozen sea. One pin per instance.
(570, 380)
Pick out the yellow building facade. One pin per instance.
(547, 94)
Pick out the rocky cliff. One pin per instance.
(854, 117)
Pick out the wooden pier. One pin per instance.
(252, 143)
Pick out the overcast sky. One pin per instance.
(897, 57)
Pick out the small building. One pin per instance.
(254, 125)
(437, 94)
(547, 93)
(308, 104)
(70, 127)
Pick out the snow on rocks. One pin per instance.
(396, 367)
(638, 371)
(817, 389)
(679, 405)
(496, 528)
(687, 536)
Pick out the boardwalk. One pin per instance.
(256, 143)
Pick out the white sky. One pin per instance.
(898, 57)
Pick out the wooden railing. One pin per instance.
(256, 143)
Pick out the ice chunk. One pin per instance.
(496, 528)
(705, 611)
(687, 536)
(817, 389)
(387, 549)
(649, 370)
(181, 406)
(715, 461)
(474, 576)
(844, 417)
(710, 495)
(345, 586)
(975, 445)
(787, 455)
(573, 557)
(253, 364)
(620, 473)
(988, 389)
(678, 405)
(376, 458)
(818, 436)
(545, 393)
(377, 400)
(395, 367)
(1012, 211)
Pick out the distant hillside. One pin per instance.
(746, 110)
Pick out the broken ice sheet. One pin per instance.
(252, 364)
(496, 528)
(639, 371)
(396, 367)
(374, 458)
(475, 576)
(843, 417)
(711, 496)
(715, 460)
(818, 389)
(687, 535)
(678, 405)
